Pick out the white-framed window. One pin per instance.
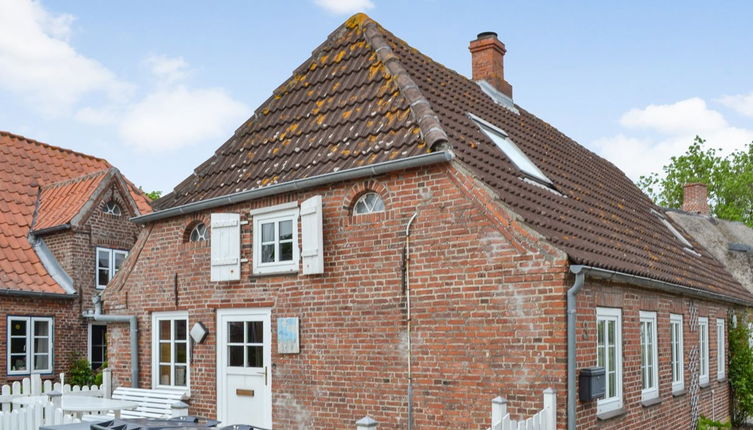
(678, 352)
(609, 356)
(649, 357)
(170, 355)
(703, 345)
(112, 208)
(199, 233)
(109, 262)
(721, 357)
(30, 343)
(368, 203)
(275, 245)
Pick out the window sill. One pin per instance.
(277, 273)
(651, 402)
(611, 414)
(704, 384)
(722, 379)
(679, 393)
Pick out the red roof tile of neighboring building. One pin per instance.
(354, 103)
(26, 167)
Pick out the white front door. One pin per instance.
(244, 378)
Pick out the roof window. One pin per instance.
(511, 150)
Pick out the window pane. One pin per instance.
(180, 352)
(268, 253)
(235, 329)
(18, 362)
(103, 276)
(164, 375)
(18, 328)
(119, 258)
(164, 352)
(255, 331)
(41, 328)
(378, 205)
(164, 330)
(180, 376)
(286, 230)
(41, 362)
(612, 381)
(255, 356)
(235, 356)
(286, 251)
(41, 345)
(103, 259)
(361, 207)
(268, 232)
(18, 345)
(180, 329)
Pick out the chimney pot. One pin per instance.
(696, 198)
(487, 58)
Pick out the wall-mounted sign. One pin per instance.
(198, 332)
(287, 336)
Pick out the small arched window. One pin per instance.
(368, 203)
(112, 208)
(198, 233)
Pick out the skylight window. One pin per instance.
(511, 150)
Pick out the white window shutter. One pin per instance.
(226, 247)
(312, 241)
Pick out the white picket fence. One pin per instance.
(34, 416)
(545, 419)
(34, 386)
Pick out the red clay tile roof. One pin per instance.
(344, 107)
(26, 166)
(60, 202)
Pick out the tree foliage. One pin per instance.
(740, 370)
(154, 195)
(729, 179)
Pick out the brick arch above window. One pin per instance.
(360, 189)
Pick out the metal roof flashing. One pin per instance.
(497, 96)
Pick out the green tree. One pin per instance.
(740, 370)
(729, 179)
(154, 195)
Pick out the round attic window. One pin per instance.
(368, 203)
(198, 233)
(112, 208)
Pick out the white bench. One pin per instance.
(158, 403)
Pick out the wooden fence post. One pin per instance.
(550, 405)
(366, 423)
(499, 409)
(36, 384)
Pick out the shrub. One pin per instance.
(80, 372)
(708, 424)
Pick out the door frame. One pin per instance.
(266, 314)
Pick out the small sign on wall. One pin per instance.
(287, 336)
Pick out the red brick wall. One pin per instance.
(75, 251)
(488, 309)
(674, 412)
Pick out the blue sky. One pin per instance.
(156, 87)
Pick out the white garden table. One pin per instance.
(80, 405)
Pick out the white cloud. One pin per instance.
(671, 129)
(686, 116)
(177, 117)
(342, 7)
(38, 63)
(167, 69)
(742, 103)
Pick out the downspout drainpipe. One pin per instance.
(580, 277)
(408, 305)
(133, 322)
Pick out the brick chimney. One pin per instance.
(696, 198)
(487, 57)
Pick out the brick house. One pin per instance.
(64, 232)
(387, 237)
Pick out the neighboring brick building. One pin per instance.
(62, 214)
(381, 213)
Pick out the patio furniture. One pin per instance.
(80, 405)
(154, 403)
